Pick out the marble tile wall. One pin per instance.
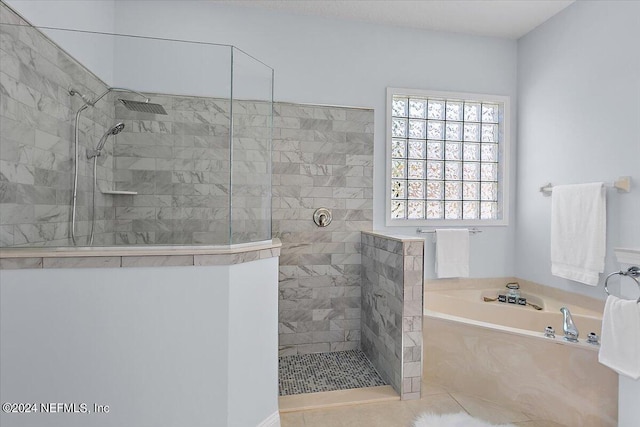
(36, 134)
(322, 157)
(178, 164)
(251, 170)
(392, 289)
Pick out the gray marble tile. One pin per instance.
(384, 288)
(84, 262)
(157, 261)
(19, 263)
(134, 238)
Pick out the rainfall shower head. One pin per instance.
(114, 130)
(143, 107)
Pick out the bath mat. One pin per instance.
(453, 420)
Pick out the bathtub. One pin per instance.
(498, 352)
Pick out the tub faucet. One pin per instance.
(570, 331)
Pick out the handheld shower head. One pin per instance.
(113, 130)
(117, 128)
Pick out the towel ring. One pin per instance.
(633, 272)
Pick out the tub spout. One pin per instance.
(570, 331)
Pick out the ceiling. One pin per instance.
(498, 18)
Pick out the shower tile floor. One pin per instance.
(316, 372)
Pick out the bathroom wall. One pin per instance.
(36, 133)
(579, 105)
(392, 305)
(322, 157)
(335, 62)
(162, 346)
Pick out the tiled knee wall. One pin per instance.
(392, 306)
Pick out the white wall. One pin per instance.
(328, 61)
(578, 115)
(143, 341)
(96, 52)
(579, 110)
(163, 346)
(252, 388)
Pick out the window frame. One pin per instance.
(503, 158)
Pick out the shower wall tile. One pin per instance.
(36, 140)
(83, 262)
(158, 260)
(315, 150)
(179, 164)
(392, 288)
(18, 263)
(190, 159)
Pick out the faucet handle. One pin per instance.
(513, 285)
(593, 338)
(549, 332)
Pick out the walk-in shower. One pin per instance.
(183, 157)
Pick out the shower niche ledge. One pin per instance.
(119, 192)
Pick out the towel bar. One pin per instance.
(622, 184)
(633, 272)
(471, 231)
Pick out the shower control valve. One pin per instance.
(322, 217)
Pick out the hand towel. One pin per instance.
(578, 231)
(620, 340)
(452, 253)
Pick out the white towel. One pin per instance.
(578, 232)
(620, 341)
(452, 253)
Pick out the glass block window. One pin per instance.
(447, 158)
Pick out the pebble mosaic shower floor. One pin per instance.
(338, 370)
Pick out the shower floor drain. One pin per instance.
(338, 370)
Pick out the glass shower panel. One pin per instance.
(162, 179)
(178, 162)
(252, 118)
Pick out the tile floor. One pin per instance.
(318, 372)
(402, 413)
